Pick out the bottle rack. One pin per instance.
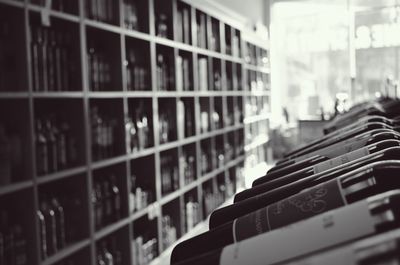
(116, 134)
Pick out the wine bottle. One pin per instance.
(323, 142)
(343, 147)
(60, 222)
(323, 155)
(42, 155)
(378, 249)
(42, 235)
(51, 227)
(364, 218)
(267, 183)
(336, 193)
(116, 198)
(229, 213)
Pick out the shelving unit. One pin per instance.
(257, 104)
(97, 125)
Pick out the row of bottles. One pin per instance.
(188, 166)
(192, 214)
(185, 123)
(169, 174)
(183, 78)
(145, 251)
(56, 146)
(165, 73)
(137, 74)
(139, 197)
(11, 157)
(52, 225)
(212, 201)
(206, 158)
(65, 6)
(108, 253)
(138, 127)
(131, 19)
(102, 10)
(106, 201)
(54, 62)
(167, 125)
(103, 134)
(169, 233)
(162, 28)
(99, 68)
(13, 242)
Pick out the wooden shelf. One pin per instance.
(61, 175)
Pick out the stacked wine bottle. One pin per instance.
(332, 201)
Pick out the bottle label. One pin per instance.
(313, 201)
(321, 231)
(341, 160)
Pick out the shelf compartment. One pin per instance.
(183, 23)
(163, 15)
(136, 15)
(170, 181)
(107, 134)
(106, 11)
(205, 115)
(13, 72)
(221, 188)
(59, 135)
(230, 115)
(214, 40)
(203, 73)
(104, 60)
(228, 39)
(167, 120)
(206, 156)
(109, 195)
(184, 71)
(63, 6)
(114, 248)
(188, 163)
(142, 183)
(171, 223)
(229, 77)
(216, 75)
(63, 214)
(185, 118)
(145, 240)
(17, 231)
(209, 198)
(220, 151)
(15, 151)
(192, 214)
(230, 152)
(237, 77)
(137, 66)
(231, 185)
(165, 68)
(55, 52)
(201, 29)
(236, 45)
(139, 125)
(238, 111)
(218, 114)
(239, 147)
